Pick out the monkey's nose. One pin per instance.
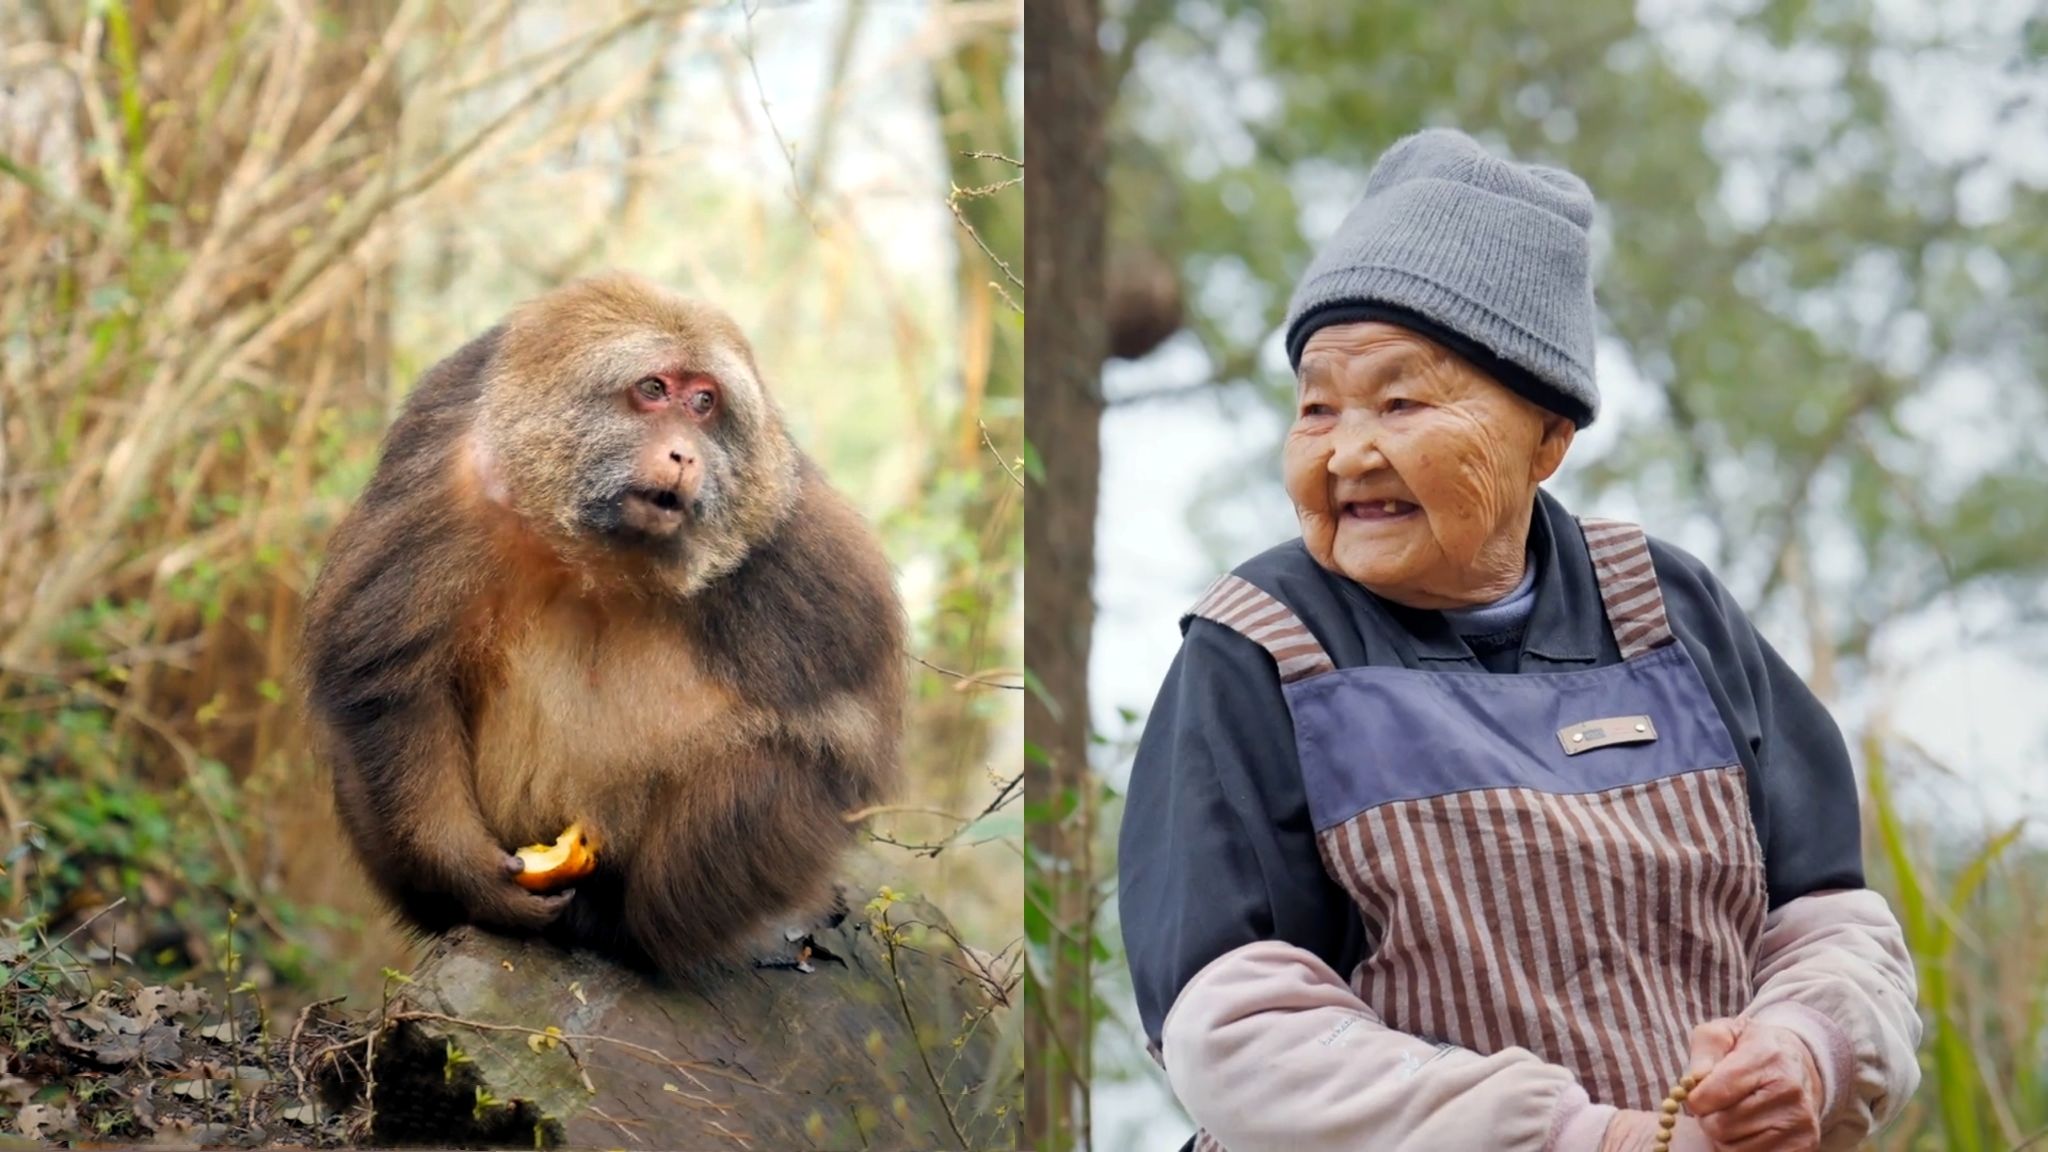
(689, 472)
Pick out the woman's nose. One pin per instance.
(1356, 451)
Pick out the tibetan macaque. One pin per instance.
(594, 583)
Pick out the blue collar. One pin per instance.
(1505, 614)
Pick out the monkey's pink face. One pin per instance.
(667, 480)
(663, 453)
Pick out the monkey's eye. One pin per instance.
(702, 401)
(653, 388)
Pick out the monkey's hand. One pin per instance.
(495, 898)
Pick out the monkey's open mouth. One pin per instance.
(656, 512)
(661, 498)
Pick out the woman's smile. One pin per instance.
(1373, 513)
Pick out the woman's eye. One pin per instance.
(652, 388)
(1315, 410)
(702, 401)
(1401, 404)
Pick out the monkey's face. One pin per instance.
(637, 422)
(667, 472)
(670, 464)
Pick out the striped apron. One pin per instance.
(1560, 861)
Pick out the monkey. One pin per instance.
(593, 580)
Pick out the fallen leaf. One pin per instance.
(164, 1044)
(39, 1120)
(576, 990)
(102, 1008)
(108, 1048)
(153, 1001)
(307, 1114)
(193, 1089)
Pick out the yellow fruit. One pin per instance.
(571, 857)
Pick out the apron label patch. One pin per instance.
(1591, 734)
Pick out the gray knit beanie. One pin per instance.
(1488, 256)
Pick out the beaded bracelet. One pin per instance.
(1668, 1121)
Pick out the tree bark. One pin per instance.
(1065, 210)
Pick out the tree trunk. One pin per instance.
(888, 1042)
(1065, 208)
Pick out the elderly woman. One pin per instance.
(1462, 822)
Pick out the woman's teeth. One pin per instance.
(1378, 509)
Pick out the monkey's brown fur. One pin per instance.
(565, 596)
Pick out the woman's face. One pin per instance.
(1412, 472)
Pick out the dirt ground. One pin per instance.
(140, 1064)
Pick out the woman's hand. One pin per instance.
(1759, 1089)
(1631, 1131)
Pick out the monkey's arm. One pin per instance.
(808, 634)
(383, 680)
(382, 669)
(749, 838)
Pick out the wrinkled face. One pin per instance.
(638, 423)
(1412, 472)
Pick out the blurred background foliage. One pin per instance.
(1823, 274)
(234, 233)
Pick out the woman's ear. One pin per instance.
(1557, 438)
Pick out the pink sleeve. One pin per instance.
(1834, 969)
(1268, 1049)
